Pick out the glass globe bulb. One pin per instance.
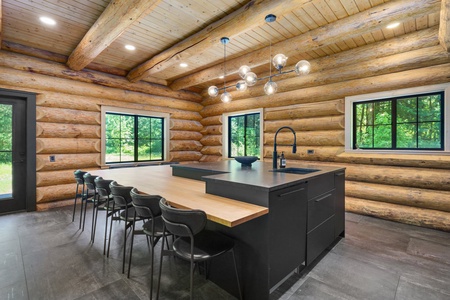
(241, 85)
(213, 91)
(302, 67)
(270, 87)
(243, 70)
(251, 78)
(279, 61)
(226, 97)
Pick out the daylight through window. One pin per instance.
(406, 123)
(133, 138)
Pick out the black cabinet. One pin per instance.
(287, 232)
(326, 213)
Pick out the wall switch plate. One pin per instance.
(310, 151)
(51, 158)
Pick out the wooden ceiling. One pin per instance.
(92, 33)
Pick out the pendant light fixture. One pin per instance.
(249, 78)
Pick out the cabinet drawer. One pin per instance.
(319, 185)
(319, 239)
(320, 208)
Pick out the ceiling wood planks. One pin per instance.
(117, 17)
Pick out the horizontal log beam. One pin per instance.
(307, 110)
(211, 140)
(405, 79)
(321, 153)
(409, 215)
(68, 116)
(44, 67)
(67, 162)
(59, 130)
(179, 156)
(55, 192)
(214, 120)
(310, 138)
(212, 150)
(244, 19)
(434, 179)
(185, 125)
(353, 26)
(212, 129)
(185, 145)
(27, 80)
(54, 204)
(58, 177)
(210, 158)
(67, 145)
(310, 124)
(185, 135)
(117, 17)
(408, 196)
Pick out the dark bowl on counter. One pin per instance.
(246, 160)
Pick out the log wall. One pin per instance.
(68, 119)
(412, 189)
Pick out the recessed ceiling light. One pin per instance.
(221, 77)
(183, 65)
(48, 21)
(130, 47)
(393, 25)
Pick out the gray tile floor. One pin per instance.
(44, 256)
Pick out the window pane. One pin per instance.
(112, 126)
(382, 112)
(144, 149)
(144, 127)
(156, 150)
(382, 136)
(157, 128)
(430, 135)
(407, 110)
(127, 150)
(430, 108)
(406, 136)
(237, 141)
(364, 137)
(112, 150)
(127, 127)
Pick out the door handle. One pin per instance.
(19, 161)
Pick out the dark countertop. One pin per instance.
(258, 174)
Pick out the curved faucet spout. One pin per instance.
(294, 145)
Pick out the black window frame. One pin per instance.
(136, 138)
(394, 123)
(245, 115)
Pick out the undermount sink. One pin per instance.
(295, 170)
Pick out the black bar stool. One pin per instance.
(193, 242)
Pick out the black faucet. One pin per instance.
(275, 154)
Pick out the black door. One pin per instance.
(13, 154)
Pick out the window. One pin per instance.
(244, 135)
(409, 120)
(129, 136)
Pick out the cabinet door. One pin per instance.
(339, 204)
(287, 231)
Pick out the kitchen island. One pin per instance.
(306, 215)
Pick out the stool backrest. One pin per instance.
(120, 193)
(146, 206)
(79, 176)
(89, 180)
(182, 222)
(102, 186)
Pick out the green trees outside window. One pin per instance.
(406, 123)
(244, 135)
(6, 116)
(133, 138)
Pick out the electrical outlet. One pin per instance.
(51, 158)
(310, 151)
